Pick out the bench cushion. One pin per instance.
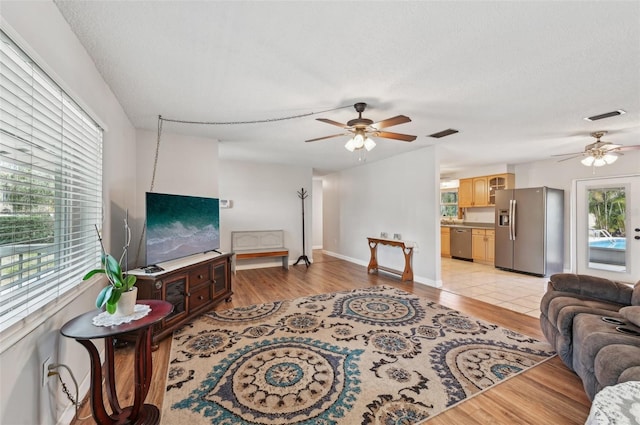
(251, 240)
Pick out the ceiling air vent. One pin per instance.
(606, 115)
(443, 133)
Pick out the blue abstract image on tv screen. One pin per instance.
(179, 226)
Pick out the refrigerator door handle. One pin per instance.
(513, 219)
(510, 219)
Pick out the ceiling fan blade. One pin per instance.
(332, 122)
(626, 148)
(396, 136)
(400, 119)
(565, 154)
(571, 157)
(326, 137)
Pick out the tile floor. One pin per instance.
(515, 291)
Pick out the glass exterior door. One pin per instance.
(608, 228)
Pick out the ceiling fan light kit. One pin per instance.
(599, 159)
(359, 141)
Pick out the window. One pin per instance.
(51, 188)
(449, 202)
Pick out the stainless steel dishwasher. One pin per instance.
(461, 243)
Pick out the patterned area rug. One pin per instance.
(369, 356)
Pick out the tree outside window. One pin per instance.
(607, 210)
(449, 203)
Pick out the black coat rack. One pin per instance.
(303, 194)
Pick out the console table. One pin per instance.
(407, 250)
(83, 331)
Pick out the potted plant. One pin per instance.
(120, 283)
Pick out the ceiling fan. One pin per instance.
(362, 129)
(599, 153)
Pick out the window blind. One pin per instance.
(51, 182)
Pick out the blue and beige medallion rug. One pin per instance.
(376, 355)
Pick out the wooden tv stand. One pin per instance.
(193, 285)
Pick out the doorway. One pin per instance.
(607, 232)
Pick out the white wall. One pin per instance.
(265, 197)
(396, 195)
(42, 32)
(317, 205)
(186, 166)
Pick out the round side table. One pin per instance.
(617, 404)
(83, 331)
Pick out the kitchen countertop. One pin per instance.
(468, 225)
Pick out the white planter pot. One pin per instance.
(127, 302)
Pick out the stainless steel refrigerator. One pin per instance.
(529, 230)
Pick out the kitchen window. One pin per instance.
(449, 202)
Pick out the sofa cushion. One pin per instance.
(558, 310)
(564, 307)
(617, 363)
(593, 287)
(590, 336)
(631, 314)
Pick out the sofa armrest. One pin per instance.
(592, 287)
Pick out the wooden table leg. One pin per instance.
(373, 262)
(143, 414)
(97, 402)
(407, 274)
(109, 379)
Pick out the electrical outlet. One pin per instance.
(45, 370)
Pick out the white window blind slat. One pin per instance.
(51, 183)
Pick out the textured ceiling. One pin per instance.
(515, 78)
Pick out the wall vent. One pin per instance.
(443, 133)
(605, 115)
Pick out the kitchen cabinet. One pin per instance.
(483, 245)
(481, 191)
(445, 242)
(465, 193)
(473, 192)
(498, 182)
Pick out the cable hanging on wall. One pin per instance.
(159, 137)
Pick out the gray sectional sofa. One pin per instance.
(594, 325)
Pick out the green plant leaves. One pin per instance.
(103, 296)
(92, 272)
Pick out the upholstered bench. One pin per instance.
(248, 244)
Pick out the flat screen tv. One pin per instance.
(179, 226)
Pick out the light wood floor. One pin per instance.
(546, 394)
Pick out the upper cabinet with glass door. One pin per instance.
(498, 182)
